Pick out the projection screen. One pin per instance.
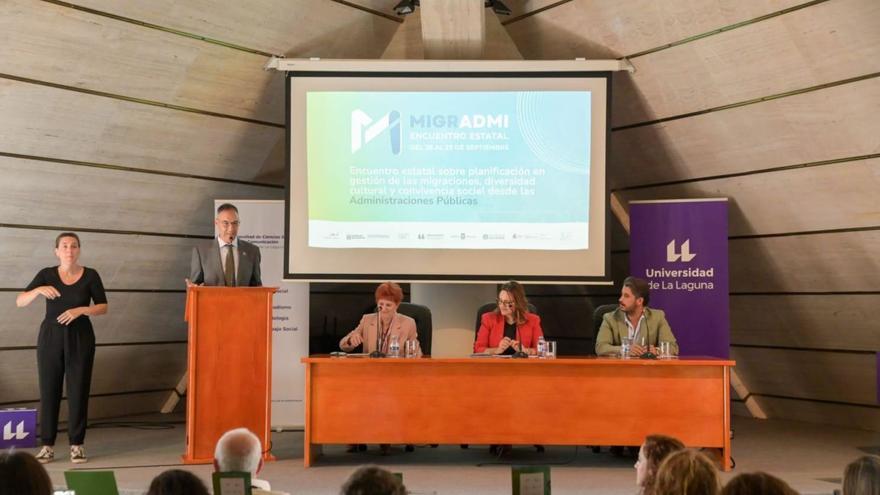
(439, 172)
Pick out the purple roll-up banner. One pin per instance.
(19, 428)
(680, 248)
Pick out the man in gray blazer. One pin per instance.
(226, 260)
(635, 320)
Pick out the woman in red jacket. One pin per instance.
(510, 325)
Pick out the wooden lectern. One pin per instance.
(230, 366)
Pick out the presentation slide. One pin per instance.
(431, 171)
(475, 170)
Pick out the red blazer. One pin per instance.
(492, 331)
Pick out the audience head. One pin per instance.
(655, 449)
(512, 301)
(177, 482)
(238, 450)
(373, 480)
(862, 476)
(687, 472)
(758, 483)
(22, 474)
(634, 294)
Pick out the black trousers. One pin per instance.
(65, 350)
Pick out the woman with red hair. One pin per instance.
(383, 325)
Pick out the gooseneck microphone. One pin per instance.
(520, 353)
(378, 352)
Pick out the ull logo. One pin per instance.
(19, 428)
(685, 255)
(18, 434)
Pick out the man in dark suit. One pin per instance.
(226, 260)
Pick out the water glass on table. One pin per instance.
(409, 348)
(665, 350)
(625, 346)
(550, 349)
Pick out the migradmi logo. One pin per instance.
(685, 253)
(364, 129)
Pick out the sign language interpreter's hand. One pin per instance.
(68, 316)
(48, 291)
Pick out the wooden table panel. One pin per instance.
(573, 401)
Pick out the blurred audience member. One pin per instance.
(177, 482)
(687, 472)
(373, 480)
(240, 450)
(22, 474)
(759, 483)
(653, 451)
(862, 476)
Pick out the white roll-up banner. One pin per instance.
(262, 223)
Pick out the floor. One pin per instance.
(809, 457)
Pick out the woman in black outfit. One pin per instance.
(66, 344)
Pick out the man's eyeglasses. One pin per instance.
(506, 303)
(226, 224)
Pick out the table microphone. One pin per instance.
(378, 352)
(519, 354)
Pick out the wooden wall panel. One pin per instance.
(58, 44)
(830, 376)
(55, 194)
(131, 317)
(845, 321)
(865, 418)
(789, 201)
(499, 44)
(824, 43)
(293, 28)
(835, 262)
(611, 29)
(520, 7)
(124, 261)
(43, 121)
(821, 125)
(117, 369)
(111, 406)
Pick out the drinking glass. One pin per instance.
(409, 348)
(625, 345)
(550, 349)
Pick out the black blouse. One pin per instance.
(80, 293)
(509, 332)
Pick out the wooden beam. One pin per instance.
(453, 29)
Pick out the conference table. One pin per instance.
(482, 400)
